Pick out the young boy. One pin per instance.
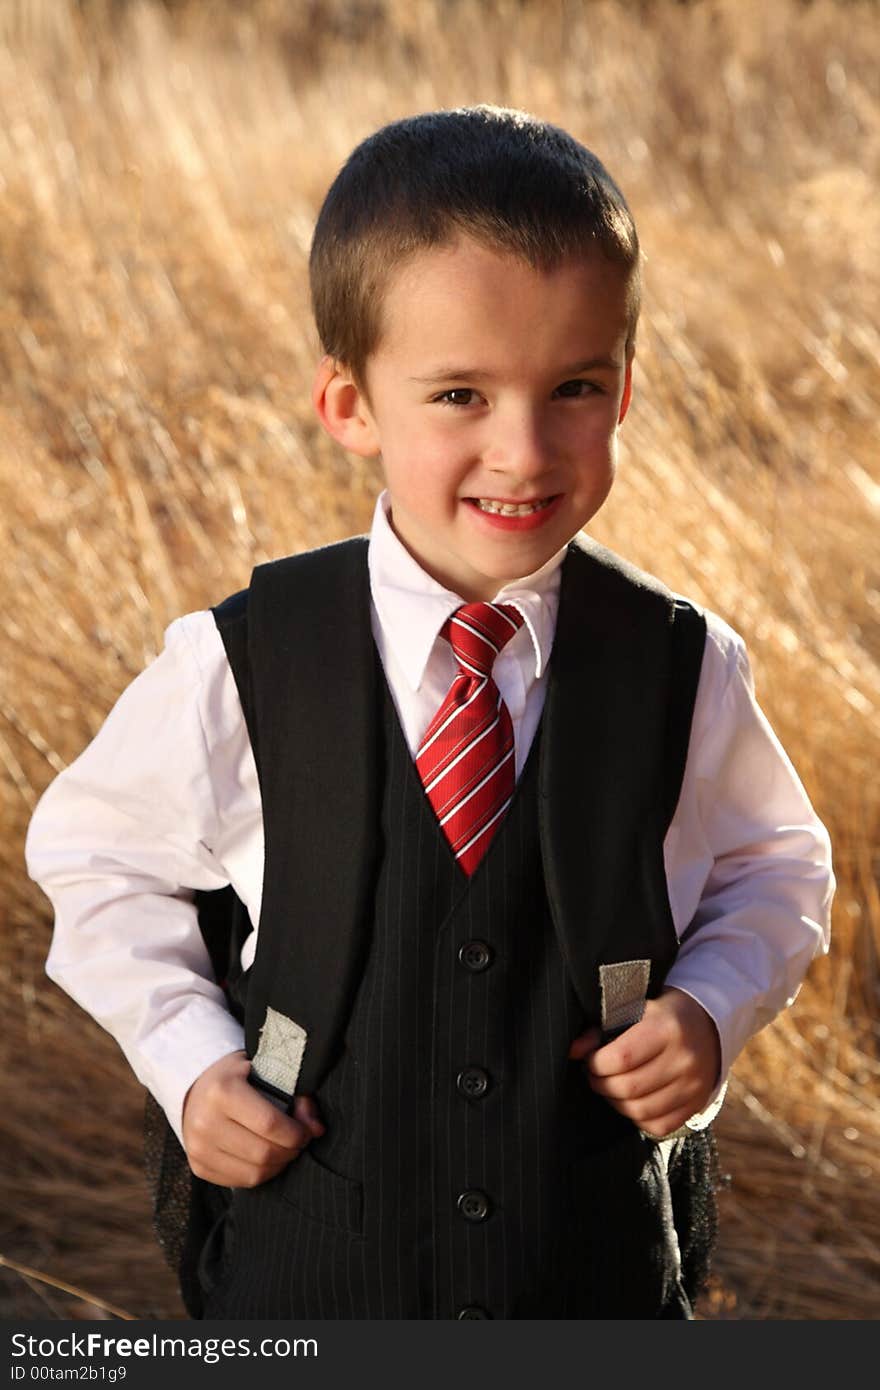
(471, 738)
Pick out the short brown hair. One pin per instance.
(510, 181)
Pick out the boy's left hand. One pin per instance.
(663, 1069)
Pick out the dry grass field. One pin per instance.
(160, 170)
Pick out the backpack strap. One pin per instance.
(223, 917)
(688, 646)
(621, 686)
(310, 612)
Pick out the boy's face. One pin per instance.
(495, 396)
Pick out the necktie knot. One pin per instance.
(477, 632)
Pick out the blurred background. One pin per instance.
(161, 166)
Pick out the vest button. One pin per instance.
(473, 1311)
(473, 1204)
(475, 955)
(472, 1082)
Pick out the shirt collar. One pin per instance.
(412, 607)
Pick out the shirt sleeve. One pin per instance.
(748, 862)
(119, 842)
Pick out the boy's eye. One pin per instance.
(458, 395)
(575, 388)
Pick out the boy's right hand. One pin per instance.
(233, 1136)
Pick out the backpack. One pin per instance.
(186, 1208)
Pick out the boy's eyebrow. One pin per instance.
(591, 364)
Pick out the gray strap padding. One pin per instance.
(278, 1058)
(624, 987)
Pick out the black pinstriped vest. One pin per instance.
(467, 1169)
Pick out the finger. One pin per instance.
(584, 1044)
(283, 1131)
(635, 1048)
(663, 1128)
(646, 1080)
(661, 1112)
(228, 1171)
(236, 1157)
(235, 1141)
(305, 1110)
(230, 1144)
(245, 1106)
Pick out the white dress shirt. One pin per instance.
(165, 800)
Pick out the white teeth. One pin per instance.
(486, 504)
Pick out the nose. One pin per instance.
(520, 447)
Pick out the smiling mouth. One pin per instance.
(489, 504)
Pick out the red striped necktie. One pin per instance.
(466, 758)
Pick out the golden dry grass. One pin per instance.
(160, 169)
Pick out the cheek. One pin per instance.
(437, 465)
(592, 443)
(595, 456)
(601, 426)
(420, 480)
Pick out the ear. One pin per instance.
(342, 407)
(627, 387)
